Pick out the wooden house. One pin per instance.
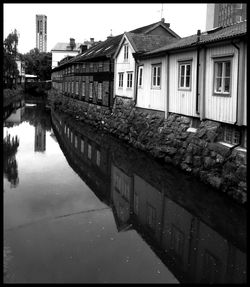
(136, 42)
(203, 77)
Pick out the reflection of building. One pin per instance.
(41, 33)
(180, 224)
(40, 138)
(224, 14)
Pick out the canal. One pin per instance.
(82, 207)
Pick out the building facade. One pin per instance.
(224, 14)
(41, 33)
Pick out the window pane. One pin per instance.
(227, 68)
(188, 81)
(188, 70)
(182, 82)
(227, 85)
(219, 69)
(182, 70)
(218, 85)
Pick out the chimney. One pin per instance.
(83, 48)
(72, 43)
(110, 36)
(198, 35)
(92, 40)
(163, 20)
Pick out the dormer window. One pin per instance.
(126, 52)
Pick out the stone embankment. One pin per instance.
(197, 153)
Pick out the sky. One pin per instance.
(85, 21)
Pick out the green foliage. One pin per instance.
(39, 64)
(10, 71)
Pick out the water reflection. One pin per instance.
(10, 146)
(198, 234)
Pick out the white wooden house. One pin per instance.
(202, 76)
(135, 42)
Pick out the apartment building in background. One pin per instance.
(224, 14)
(41, 33)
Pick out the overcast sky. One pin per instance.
(84, 21)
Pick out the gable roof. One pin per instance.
(144, 43)
(149, 28)
(215, 35)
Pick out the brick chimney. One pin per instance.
(83, 48)
(72, 43)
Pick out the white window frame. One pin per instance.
(120, 80)
(126, 52)
(129, 80)
(140, 76)
(156, 74)
(184, 64)
(223, 61)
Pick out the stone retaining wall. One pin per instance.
(168, 140)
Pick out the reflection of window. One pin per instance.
(77, 88)
(136, 204)
(125, 189)
(129, 79)
(99, 91)
(98, 158)
(120, 80)
(82, 145)
(117, 182)
(177, 241)
(76, 142)
(211, 268)
(151, 216)
(89, 151)
(222, 74)
(156, 76)
(140, 76)
(185, 75)
(71, 139)
(90, 90)
(83, 89)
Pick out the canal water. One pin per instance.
(82, 207)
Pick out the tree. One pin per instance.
(10, 71)
(38, 63)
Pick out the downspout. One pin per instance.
(167, 88)
(197, 73)
(136, 80)
(237, 93)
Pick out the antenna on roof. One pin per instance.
(161, 11)
(111, 32)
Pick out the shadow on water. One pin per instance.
(198, 234)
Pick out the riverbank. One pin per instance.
(200, 153)
(12, 95)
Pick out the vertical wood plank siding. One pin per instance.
(124, 67)
(221, 108)
(245, 90)
(146, 96)
(180, 101)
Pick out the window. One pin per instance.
(222, 74)
(125, 52)
(140, 70)
(156, 76)
(231, 135)
(151, 216)
(120, 85)
(82, 145)
(125, 189)
(99, 91)
(98, 158)
(129, 79)
(185, 75)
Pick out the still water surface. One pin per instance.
(81, 207)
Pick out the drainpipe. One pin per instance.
(167, 88)
(136, 79)
(197, 73)
(237, 93)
